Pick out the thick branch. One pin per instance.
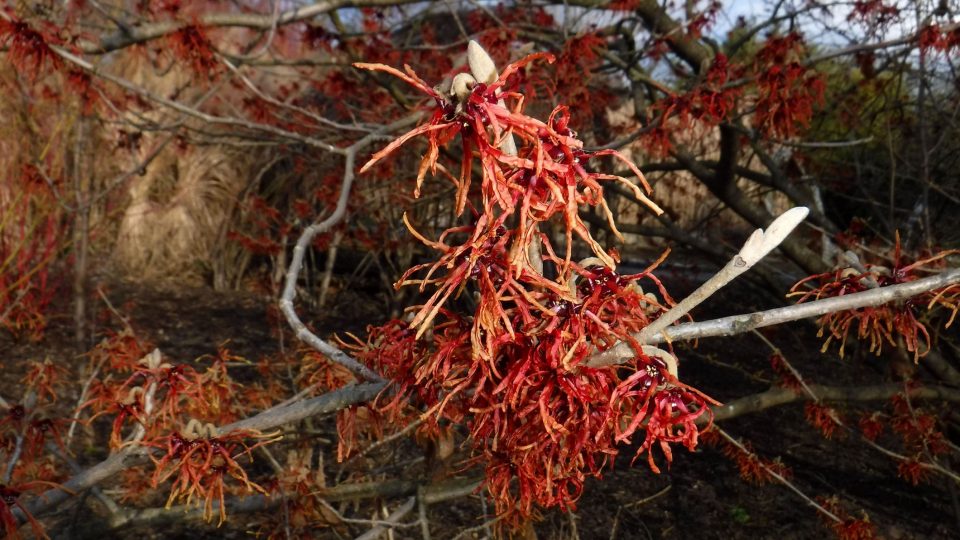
(298, 410)
(256, 21)
(108, 468)
(783, 396)
(433, 493)
(268, 419)
(657, 20)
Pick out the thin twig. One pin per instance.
(13, 305)
(386, 440)
(390, 521)
(211, 119)
(124, 320)
(14, 458)
(340, 517)
(786, 361)
(790, 485)
(422, 515)
(255, 21)
(649, 498)
(81, 400)
(485, 527)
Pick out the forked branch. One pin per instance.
(739, 324)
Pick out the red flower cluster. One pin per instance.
(874, 12)
(788, 90)
(933, 37)
(871, 426)
(30, 50)
(516, 372)
(753, 468)
(199, 461)
(885, 323)
(823, 418)
(30, 239)
(192, 46)
(35, 428)
(848, 528)
(10, 499)
(709, 103)
(704, 19)
(151, 401)
(919, 428)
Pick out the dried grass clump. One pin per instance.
(175, 212)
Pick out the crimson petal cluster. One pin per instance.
(516, 371)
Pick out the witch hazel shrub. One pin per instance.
(518, 372)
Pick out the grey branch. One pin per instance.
(306, 238)
(782, 396)
(212, 119)
(393, 519)
(134, 455)
(108, 468)
(757, 246)
(739, 324)
(432, 494)
(298, 410)
(257, 21)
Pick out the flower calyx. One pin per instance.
(198, 430)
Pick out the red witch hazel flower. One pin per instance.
(906, 320)
(10, 500)
(844, 525)
(29, 46)
(788, 90)
(517, 371)
(199, 460)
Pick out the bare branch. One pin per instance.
(782, 396)
(779, 477)
(756, 247)
(327, 403)
(393, 519)
(192, 112)
(306, 238)
(433, 493)
(738, 324)
(132, 456)
(255, 21)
